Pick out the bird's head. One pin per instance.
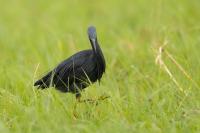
(92, 32)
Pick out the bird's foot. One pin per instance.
(90, 101)
(94, 101)
(103, 97)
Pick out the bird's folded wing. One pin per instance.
(68, 67)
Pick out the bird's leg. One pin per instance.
(78, 97)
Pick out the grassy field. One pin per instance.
(150, 91)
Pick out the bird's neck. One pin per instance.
(99, 56)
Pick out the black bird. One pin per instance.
(78, 71)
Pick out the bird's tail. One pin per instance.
(44, 82)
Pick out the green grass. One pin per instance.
(39, 34)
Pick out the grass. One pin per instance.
(36, 35)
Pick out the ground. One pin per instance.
(152, 76)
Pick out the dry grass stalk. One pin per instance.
(163, 66)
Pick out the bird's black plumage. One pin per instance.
(78, 71)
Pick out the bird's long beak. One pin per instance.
(93, 41)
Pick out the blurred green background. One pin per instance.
(36, 35)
